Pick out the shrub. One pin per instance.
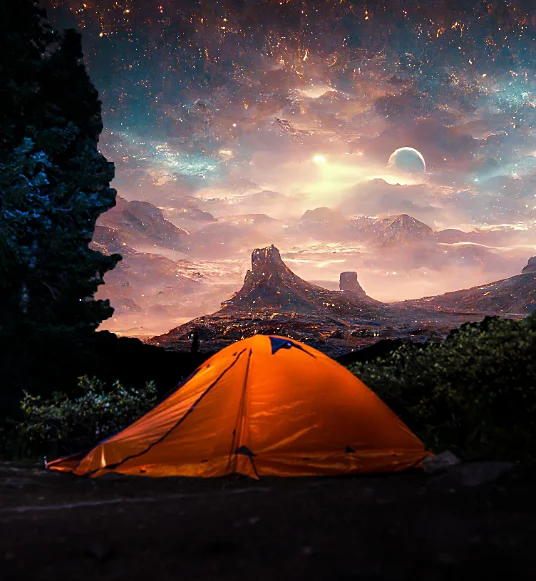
(474, 393)
(67, 424)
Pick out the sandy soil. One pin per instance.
(401, 527)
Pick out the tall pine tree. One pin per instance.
(54, 184)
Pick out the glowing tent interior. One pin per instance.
(265, 406)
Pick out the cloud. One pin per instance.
(377, 197)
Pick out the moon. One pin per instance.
(408, 160)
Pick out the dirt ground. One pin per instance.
(403, 527)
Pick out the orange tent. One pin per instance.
(265, 406)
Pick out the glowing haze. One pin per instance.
(238, 127)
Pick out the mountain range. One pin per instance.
(171, 273)
(274, 300)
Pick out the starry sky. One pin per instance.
(219, 101)
(200, 76)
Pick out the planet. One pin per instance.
(408, 160)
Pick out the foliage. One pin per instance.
(53, 180)
(65, 424)
(475, 393)
(54, 184)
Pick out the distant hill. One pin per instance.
(328, 224)
(515, 295)
(109, 241)
(141, 278)
(404, 229)
(142, 224)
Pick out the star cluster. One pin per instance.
(151, 60)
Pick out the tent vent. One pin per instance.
(349, 450)
(278, 344)
(245, 451)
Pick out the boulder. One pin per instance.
(441, 462)
(477, 473)
(531, 266)
(472, 474)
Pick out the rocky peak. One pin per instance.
(404, 228)
(266, 264)
(407, 222)
(271, 284)
(348, 283)
(531, 266)
(265, 260)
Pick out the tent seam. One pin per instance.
(179, 422)
(235, 444)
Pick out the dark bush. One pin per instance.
(67, 424)
(379, 349)
(475, 393)
(44, 366)
(45, 363)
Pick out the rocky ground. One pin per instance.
(409, 526)
(330, 335)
